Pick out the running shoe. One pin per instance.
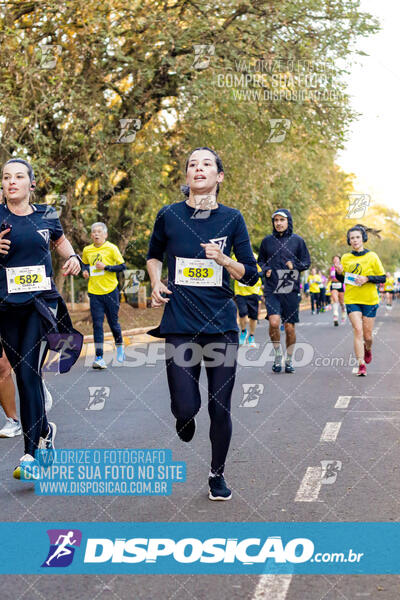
(11, 428)
(48, 398)
(362, 371)
(389, 307)
(99, 363)
(218, 488)
(277, 366)
(252, 342)
(336, 322)
(120, 354)
(367, 355)
(47, 443)
(282, 327)
(289, 368)
(313, 312)
(27, 469)
(242, 337)
(185, 428)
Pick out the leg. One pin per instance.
(7, 389)
(252, 326)
(111, 310)
(243, 323)
(97, 312)
(312, 301)
(356, 322)
(21, 331)
(274, 333)
(290, 340)
(183, 381)
(367, 327)
(221, 380)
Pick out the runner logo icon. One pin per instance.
(63, 543)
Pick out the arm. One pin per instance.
(63, 247)
(155, 255)
(154, 268)
(245, 269)
(302, 261)
(115, 268)
(263, 261)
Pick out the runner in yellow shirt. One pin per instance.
(314, 280)
(389, 290)
(361, 270)
(247, 299)
(102, 261)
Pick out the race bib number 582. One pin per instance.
(27, 279)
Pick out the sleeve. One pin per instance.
(85, 261)
(117, 256)
(302, 260)
(244, 253)
(377, 278)
(56, 230)
(263, 258)
(115, 268)
(158, 240)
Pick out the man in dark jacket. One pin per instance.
(283, 255)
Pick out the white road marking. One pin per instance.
(343, 402)
(310, 485)
(272, 587)
(330, 431)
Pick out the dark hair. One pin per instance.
(220, 168)
(364, 232)
(334, 256)
(23, 162)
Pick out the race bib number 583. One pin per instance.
(197, 271)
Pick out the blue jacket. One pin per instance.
(277, 249)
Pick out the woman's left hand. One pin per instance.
(361, 279)
(71, 267)
(214, 251)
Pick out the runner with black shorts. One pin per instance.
(247, 299)
(199, 320)
(33, 316)
(283, 255)
(360, 270)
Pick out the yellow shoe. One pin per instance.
(26, 471)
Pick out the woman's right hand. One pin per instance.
(156, 299)
(85, 274)
(4, 244)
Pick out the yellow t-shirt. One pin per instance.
(314, 281)
(328, 288)
(102, 282)
(367, 264)
(247, 290)
(389, 284)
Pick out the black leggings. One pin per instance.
(183, 382)
(315, 300)
(26, 351)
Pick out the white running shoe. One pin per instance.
(11, 428)
(48, 398)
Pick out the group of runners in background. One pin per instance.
(206, 245)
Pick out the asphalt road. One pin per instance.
(280, 438)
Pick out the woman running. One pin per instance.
(337, 294)
(33, 316)
(362, 270)
(198, 235)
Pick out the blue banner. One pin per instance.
(200, 548)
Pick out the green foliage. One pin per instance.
(122, 59)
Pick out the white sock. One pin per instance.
(335, 310)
